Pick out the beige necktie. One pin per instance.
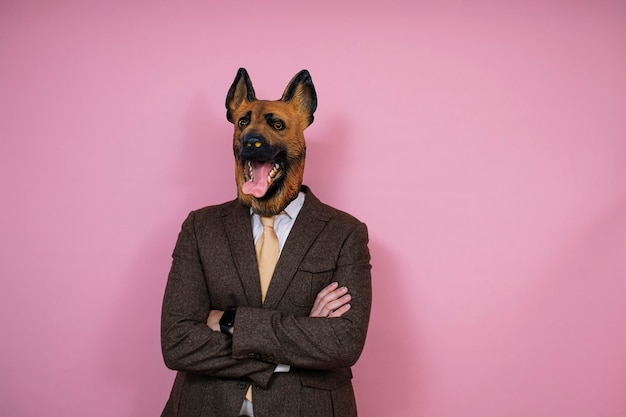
(267, 252)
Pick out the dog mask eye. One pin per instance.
(278, 125)
(242, 123)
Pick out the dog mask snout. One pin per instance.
(253, 142)
(255, 147)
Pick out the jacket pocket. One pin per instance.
(328, 380)
(312, 276)
(327, 393)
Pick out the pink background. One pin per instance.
(483, 142)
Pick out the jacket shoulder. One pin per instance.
(209, 216)
(217, 209)
(339, 215)
(324, 211)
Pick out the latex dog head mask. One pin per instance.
(269, 142)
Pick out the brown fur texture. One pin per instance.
(270, 133)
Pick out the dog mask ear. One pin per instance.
(240, 90)
(301, 93)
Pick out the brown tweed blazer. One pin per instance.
(214, 267)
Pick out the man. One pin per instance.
(250, 334)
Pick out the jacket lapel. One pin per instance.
(238, 228)
(309, 224)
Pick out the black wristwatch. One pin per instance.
(228, 320)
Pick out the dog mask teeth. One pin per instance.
(249, 172)
(273, 173)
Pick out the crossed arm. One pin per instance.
(332, 301)
(331, 337)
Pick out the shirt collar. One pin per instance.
(295, 206)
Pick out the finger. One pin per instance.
(327, 290)
(315, 312)
(340, 311)
(328, 300)
(325, 296)
(335, 304)
(333, 295)
(331, 306)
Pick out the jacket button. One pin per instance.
(241, 385)
(251, 355)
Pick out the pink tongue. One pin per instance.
(258, 186)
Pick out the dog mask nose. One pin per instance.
(253, 142)
(256, 147)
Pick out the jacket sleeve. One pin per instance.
(187, 343)
(316, 343)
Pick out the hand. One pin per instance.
(331, 302)
(213, 321)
